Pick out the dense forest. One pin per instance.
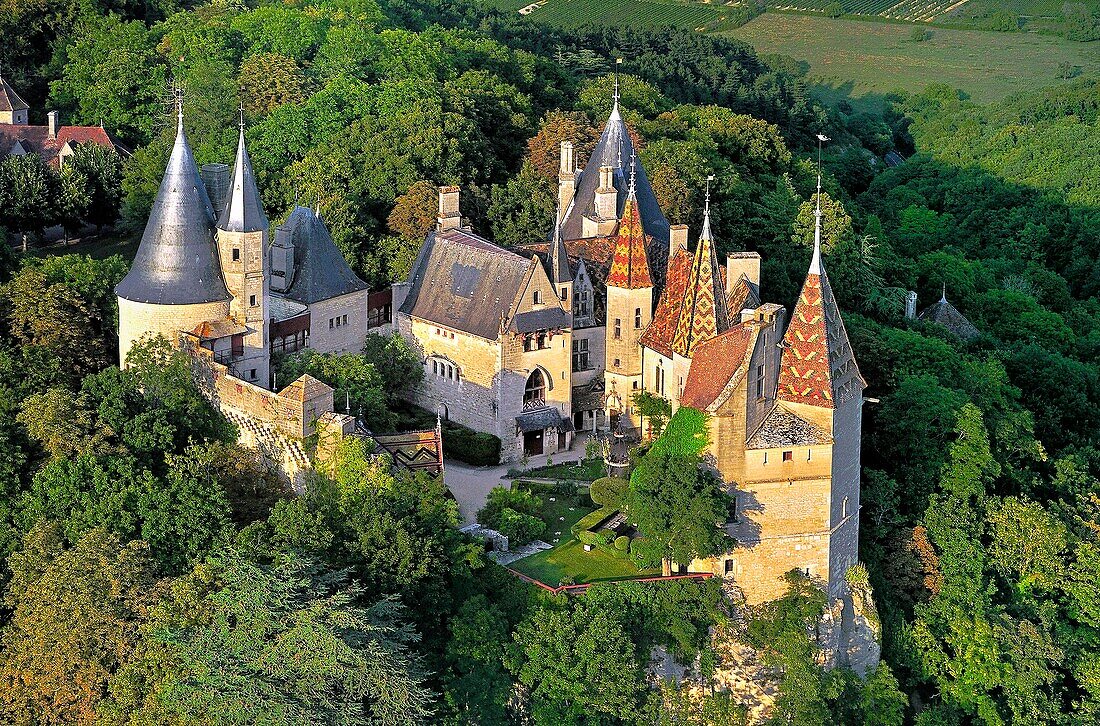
(156, 573)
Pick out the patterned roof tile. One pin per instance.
(629, 265)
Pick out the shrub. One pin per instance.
(608, 491)
(591, 519)
(589, 537)
(501, 499)
(470, 446)
(520, 528)
(622, 544)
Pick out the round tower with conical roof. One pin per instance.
(175, 283)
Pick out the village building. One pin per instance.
(53, 142)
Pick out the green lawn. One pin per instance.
(859, 60)
(588, 470)
(570, 560)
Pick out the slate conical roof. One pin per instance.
(703, 315)
(9, 99)
(945, 314)
(630, 264)
(615, 149)
(321, 272)
(244, 212)
(176, 262)
(818, 366)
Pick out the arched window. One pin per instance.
(534, 393)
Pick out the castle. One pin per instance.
(535, 344)
(208, 277)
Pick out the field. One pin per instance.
(858, 60)
(636, 13)
(910, 10)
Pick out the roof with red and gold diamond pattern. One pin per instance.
(703, 315)
(658, 336)
(818, 367)
(629, 265)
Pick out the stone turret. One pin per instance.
(13, 109)
(175, 282)
(242, 249)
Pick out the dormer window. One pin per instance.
(537, 297)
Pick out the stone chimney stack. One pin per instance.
(567, 179)
(606, 195)
(743, 263)
(449, 215)
(52, 120)
(677, 238)
(910, 305)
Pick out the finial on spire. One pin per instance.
(815, 262)
(179, 109)
(633, 170)
(615, 93)
(242, 115)
(705, 233)
(706, 202)
(943, 297)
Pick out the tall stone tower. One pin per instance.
(175, 283)
(242, 249)
(629, 313)
(820, 382)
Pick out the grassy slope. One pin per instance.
(570, 560)
(881, 57)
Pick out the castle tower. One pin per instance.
(174, 283)
(819, 382)
(703, 315)
(13, 109)
(629, 312)
(242, 250)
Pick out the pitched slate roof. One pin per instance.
(818, 366)
(717, 363)
(741, 295)
(244, 212)
(557, 259)
(945, 314)
(783, 427)
(176, 262)
(320, 270)
(630, 264)
(660, 333)
(467, 283)
(614, 149)
(36, 140)
(9, 99)
(703, 314)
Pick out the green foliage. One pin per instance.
(622, 544)
(655, 409)
(522, 209)
(472, 447)
(608, 491)
(514, 513)
(356, 380)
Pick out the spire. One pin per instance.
(176, 263)
(818, 366)
(630, 264)
(559, 256)
(943, 297)
(703, 314)
(244, 212)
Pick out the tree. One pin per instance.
(28, 194)
(655, 409)
(414, 212)
(77, 616)
(357, 382)
(836, 225)
(476, 686)
(100, 169)
(395, 361)
(73, 200)
(269, 80)
(576, 661)
(522, 210)
(288, 644)
(882, 702)
(544, 148)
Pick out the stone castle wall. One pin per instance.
(348, 338)
(137, 320)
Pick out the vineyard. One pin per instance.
(909, 10)
(636, 13)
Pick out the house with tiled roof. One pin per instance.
(494, 329)
(53, 142)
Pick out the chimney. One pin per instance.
(567, 179)
(53, 117)
(606, 196)
(449, 215)
(910, 305)
(743, 263)
(677, 238)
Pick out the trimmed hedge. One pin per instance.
(622, 544)
(591, 519)
(608, 491)
(470, 446)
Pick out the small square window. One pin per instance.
(236, 255)
(788, 456)
(537, 297)
(345, 320)
(616, 362)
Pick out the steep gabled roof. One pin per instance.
(9, 99)
(244, 212)
(630, 263)
(615, 149)
(741, 295)
(659, 334)
(783, 427)
(320, 270)
(818, 366)
(176, 262)
(467, 283)
(703, 314)
(717, 363)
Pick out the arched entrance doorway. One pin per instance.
(534, 396)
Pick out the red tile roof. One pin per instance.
(629, 266)
(817, 367)
(714, 364)
(703, 315)
(658, 336)
(36, 140)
